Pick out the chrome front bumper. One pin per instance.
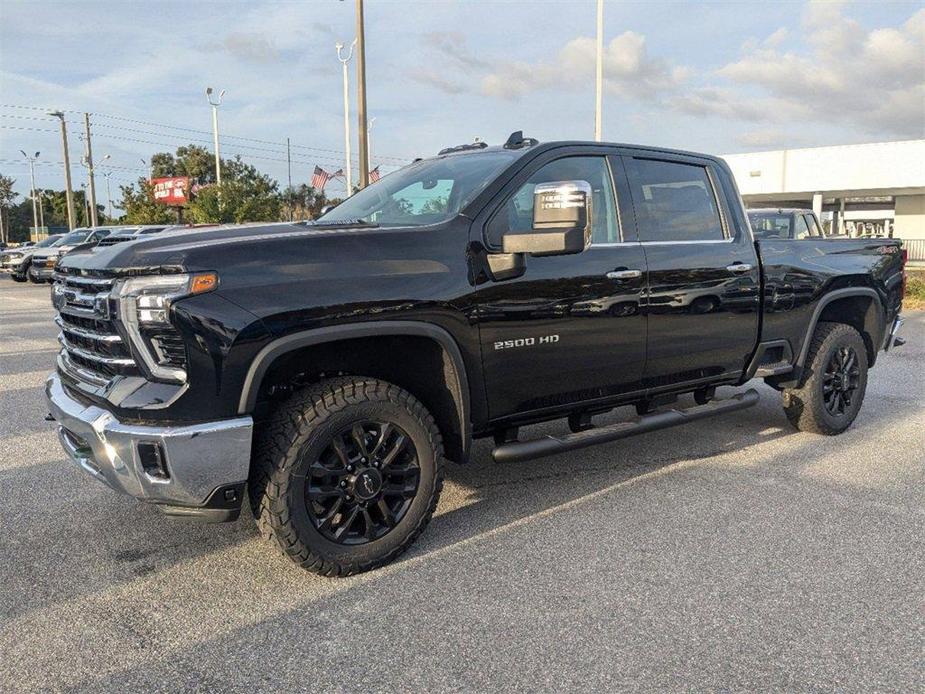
(204, 466)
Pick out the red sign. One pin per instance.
(171, 191)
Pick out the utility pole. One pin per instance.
(215, 105)
(289, 169)
(68, 188)
(35, 209)
(89, 159)
(343, 61)
(369, 143)
(361, 97)
(599, 82)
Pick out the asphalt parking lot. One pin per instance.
(734, 555)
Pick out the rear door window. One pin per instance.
(800, 229)
(813, 225)
(674, 201)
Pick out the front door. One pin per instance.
(702, 299)
(570, 328)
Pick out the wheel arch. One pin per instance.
(859, 307)
(454, 421)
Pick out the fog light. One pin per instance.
(153, 460)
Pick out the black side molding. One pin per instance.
(518, 451)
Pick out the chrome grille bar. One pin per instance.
(92, 351)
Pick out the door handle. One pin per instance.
(624, 274)
(739, 268)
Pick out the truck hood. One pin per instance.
(226, 247)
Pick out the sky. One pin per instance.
(718, 77)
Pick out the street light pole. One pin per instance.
(599, 82)
(148, 167)
(107, 174)
(215, 105)
(68, 188)
(343, 61)
(35, 208)
(109, 194)
(361, 97)
(41, 196)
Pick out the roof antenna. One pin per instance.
(517, 140)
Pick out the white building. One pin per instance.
(880, 185)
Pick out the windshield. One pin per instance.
(70, 239)
(45, 243)
(424, 192)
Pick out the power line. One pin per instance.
(383, 157)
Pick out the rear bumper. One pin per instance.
(893, 339)
(199, 470)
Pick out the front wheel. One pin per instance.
(346, 475)
(831, 395)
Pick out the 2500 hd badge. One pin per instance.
(527, 342)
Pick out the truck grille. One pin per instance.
(92, 348)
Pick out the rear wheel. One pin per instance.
(347, 475)
(831, 395)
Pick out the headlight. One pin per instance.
(144, 310)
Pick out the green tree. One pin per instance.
(245, 195)
(307, 202)
(140, 208)
(7, 197)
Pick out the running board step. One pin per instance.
(518, 451)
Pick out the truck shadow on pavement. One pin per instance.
(507, 563)
(102, 539)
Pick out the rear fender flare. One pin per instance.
(828, 299)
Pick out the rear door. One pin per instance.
(570, 329)
(702, 298)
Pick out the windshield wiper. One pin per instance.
(340, 223)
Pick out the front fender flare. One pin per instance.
(280, 346)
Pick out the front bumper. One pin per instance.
(41, 272)
(201, 468)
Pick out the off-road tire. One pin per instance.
(299, 429)
(18, 278)
(805, 406)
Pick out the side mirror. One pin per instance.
(562, 218)
(326, 209)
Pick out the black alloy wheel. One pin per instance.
(363, 483)
(840, 380)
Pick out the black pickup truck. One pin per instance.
(326, 370)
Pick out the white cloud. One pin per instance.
(873, 80)
(628, 70)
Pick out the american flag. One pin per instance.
(321, 178)
(374, 175)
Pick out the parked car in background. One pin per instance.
(784, 223)
(16, 261)
(130, 233)
(43, 260)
